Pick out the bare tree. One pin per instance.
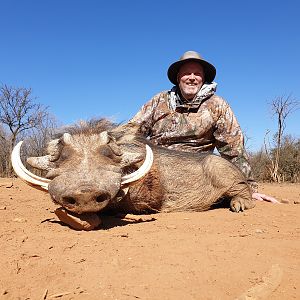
(289, 163)
(37, 138)
(4, 151)
(19, 112)
(281, 107)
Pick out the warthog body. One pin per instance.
(86, 169)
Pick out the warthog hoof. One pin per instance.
(240, 204)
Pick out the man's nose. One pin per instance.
(192, 76)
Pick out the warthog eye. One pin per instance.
(104, 150)
(102, 198)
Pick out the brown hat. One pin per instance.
(209, 69)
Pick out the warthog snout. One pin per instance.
(81, 194)
(80, 199)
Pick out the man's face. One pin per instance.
(190, 79)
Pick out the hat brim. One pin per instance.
(209, 69)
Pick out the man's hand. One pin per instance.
(263, 197)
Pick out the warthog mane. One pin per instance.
(89, 127)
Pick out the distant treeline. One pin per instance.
(22, 118)
(262, 162)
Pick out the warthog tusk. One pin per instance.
(142, 171)
(23, 173)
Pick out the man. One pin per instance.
(191, 117)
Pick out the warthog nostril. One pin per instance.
(102, 198)
(69, 200)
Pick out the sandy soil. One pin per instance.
(210, 255)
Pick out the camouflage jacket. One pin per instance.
(200, 126)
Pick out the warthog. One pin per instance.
(91, 170)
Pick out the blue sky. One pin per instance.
(88, 58)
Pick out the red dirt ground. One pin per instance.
(210, 255)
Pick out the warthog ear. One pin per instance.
(54, 149)
(125, 133)
(67, 138)
(104, 137)
(125, 137)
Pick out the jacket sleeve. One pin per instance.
(230, 142)
(143, 120)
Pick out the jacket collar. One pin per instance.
(178, 103)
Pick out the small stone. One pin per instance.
(137, 218)
(24, 238)
(19, 220)
(2, 207)
(285, 201)
(258, 231)
(171, 227)
(243, 234)
(296, 201)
